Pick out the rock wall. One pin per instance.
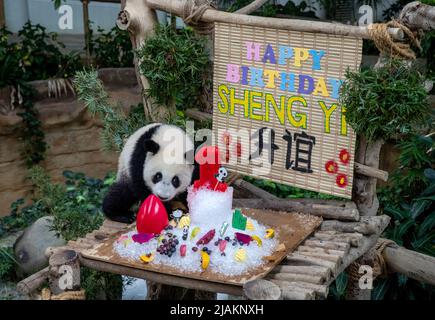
(72, 134)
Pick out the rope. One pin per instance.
(379, 265)
(386, 44)
(67, 295)
(192, 13)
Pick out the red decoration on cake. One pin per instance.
(152, 216)
(209, 164)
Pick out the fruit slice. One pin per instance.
(147, 258)
(250, 225)
(258, 240)
(222, 245)
(183, 249)
(205, 260)
(194, 233)
(270, 233)
(240, 255)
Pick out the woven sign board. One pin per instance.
(276, 114)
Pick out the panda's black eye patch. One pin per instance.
(157, 177)
(176, 182)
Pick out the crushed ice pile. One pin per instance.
(208, 210)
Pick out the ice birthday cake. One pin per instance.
(210, 236)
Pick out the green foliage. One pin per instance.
(117, 126)
(176, 64)
(76, 206)
(7, 264)
(285, 191)
(57, 3)
(31, 134)
(384, 102)
(113, 48)
(97, 282)
(337, 290)
(21, 217)
(409, 200)
(36, 56)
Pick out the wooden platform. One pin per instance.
(291, 230)
(304, 274)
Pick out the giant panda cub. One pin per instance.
(154, 160)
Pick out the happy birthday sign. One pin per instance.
(276, 112)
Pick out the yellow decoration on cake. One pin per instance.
(258, 240)
(184, 222)
(270, 233)
(147, 258)
(195, 231)
(127, 242)
(205, 260)
(250, 225)
(240, 255)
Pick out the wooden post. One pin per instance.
(64, 272)
(87, 31)
(2, 14)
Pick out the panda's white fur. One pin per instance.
(142, 170)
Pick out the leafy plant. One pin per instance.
(409, 200)
(117, 126)
(113, 48)
(36, 55)
(7, 264)
(337, 290)
(384, 102)
(76, 208)
(176, 64)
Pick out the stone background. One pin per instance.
(72, 134)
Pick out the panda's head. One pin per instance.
(168, 169)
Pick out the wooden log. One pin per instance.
(292, 292)
(415, 265)
(313, 242)
(34, 282)
(331, 257)
(308, 260)
(140, 20)
(261, 290)
(323, 272)
(242, 184)
(354, 239)
(370, 172)
(338, 210)
(319, 289)
(64, 272)
(366, 225)
(318, 250)
(198, 115)
(212, 15)
(295, 277)
(364, 188)
(418, 16)
(354, 253)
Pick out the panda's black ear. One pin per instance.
(151, 146)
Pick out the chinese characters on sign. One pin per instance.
(276, 112)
